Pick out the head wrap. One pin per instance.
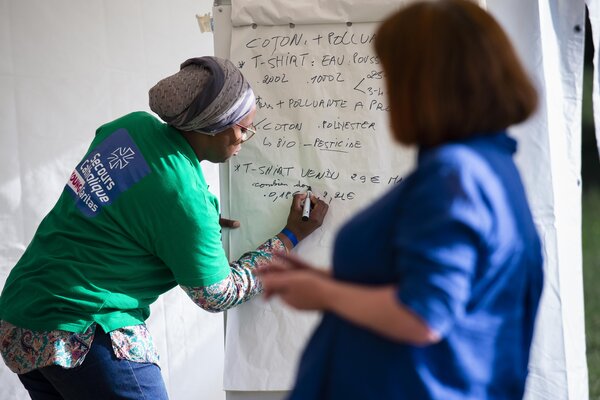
(207, 95)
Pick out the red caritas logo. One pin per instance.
(76, 182)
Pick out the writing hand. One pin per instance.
(229, 223)
(295, 223)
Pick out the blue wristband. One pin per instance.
(290, 235)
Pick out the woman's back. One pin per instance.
(458, 239)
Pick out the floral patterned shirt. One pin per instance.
(24, 350)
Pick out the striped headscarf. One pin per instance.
(208, 95)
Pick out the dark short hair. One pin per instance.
(451, 73)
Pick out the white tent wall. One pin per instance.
(594, 15)
(549, 35)
(65, 68)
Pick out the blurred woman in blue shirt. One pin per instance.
(435, 287)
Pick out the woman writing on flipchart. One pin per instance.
(435, 287)
(134, 220)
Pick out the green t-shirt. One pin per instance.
(134, 220)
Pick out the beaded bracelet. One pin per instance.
(290, 235)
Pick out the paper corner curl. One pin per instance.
(205, 22)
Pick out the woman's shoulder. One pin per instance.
(453, 174)
(478, 160)
(140, 116)
(139, 119)
(163, 149)
(450, 155)
(476, 150)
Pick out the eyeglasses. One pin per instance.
(247, 132)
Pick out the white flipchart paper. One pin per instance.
(323, 122)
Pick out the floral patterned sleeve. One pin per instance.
(241, 285)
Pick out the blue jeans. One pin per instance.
(101, 376)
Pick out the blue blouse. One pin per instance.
(458, 240)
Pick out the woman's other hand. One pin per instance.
(229, 223)
(299, 284)
(377, 308)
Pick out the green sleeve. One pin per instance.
(188, 240)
